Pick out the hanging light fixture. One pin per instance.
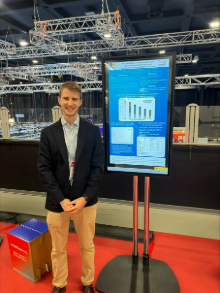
(107, 35)
(93, 57)
(196, 59)
(23, 43)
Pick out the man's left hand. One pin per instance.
(76, 205)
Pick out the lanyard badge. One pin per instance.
(71, 170)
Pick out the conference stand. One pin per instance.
(135, 274)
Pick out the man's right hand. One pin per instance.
(64, 205)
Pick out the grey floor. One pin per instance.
(115, 217)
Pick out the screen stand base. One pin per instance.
(151, 236)
(148, 275)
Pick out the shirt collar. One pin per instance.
(64, 122)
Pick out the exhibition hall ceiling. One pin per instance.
(138, 18)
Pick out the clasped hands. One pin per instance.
(73, 207)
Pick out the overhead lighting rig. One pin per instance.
(12, 76)
(80, 69)
(53, 45)
(3, 81)
(7, 48)
(180, 82)
(45, 87)
(130, 43)
(64, 68)
(64, 26)
(207, 79)
(183, 58)
(108, 27)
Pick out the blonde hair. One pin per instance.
(72, 86)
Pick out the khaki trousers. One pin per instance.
(58, 224)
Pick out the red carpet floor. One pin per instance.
(195, 262)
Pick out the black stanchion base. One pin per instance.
(120, 275)
(151, 236)
(1, 239)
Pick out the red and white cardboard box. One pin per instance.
(30, 248)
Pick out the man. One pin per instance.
(70, 165)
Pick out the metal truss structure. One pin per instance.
(108, 27)
(46, 33)
(52, 45)
(7, 48)
(40, 77)
(86, 70)
(24, 76)
(130, 43)
(45, 87)
(183, 58)
(174, 39)
(209, 79)
(3, 81)
(63, 26)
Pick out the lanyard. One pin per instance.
(70, 155)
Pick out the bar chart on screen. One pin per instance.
(137, 109)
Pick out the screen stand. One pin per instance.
(134, 274)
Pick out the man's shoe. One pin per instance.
(59, 290)
(88, 289)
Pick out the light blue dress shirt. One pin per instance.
(71, 136)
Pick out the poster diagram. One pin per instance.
(151, 146)
(122, 135)
(137, 109)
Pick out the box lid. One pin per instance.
(36, 225)
(24, 233)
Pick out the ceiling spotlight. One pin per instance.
(196, 59)
(162, 51)
(214, 24)
(23, 43)
(35, 61)
(107, 35)
(90, 13)
(93, 57)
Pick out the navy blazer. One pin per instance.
(53, 165)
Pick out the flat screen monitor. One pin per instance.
(138, 94)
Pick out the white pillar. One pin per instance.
(57, 113)
(192, 123)
(5, 122)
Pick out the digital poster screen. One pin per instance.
(138, 94)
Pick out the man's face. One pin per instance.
(70, 102)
